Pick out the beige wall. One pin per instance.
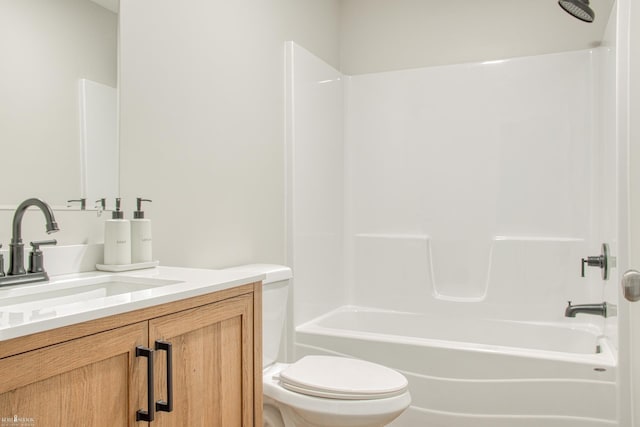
(202, 121)
(382, 35)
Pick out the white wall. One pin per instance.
(202, 121)
(382, 35)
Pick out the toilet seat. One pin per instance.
(342, 378)
(300, 409)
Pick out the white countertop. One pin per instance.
(19, 319)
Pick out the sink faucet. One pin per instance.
(17, 273)
(599, 309)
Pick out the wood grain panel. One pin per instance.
(88, 375)
(92, 381)
(213, 364)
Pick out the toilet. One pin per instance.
(320, 391)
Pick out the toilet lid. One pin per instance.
(342, 378)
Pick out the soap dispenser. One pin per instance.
(117, 238)
(140, 235)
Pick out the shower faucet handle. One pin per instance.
(601, 261)
(592, 261)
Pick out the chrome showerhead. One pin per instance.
(578, 8)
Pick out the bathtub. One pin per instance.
(466, 372)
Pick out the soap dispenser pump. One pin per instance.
(117, 238)
(141, 242)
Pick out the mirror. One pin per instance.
(58, 100)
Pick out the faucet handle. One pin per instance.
(36, 264)
(82, 201)
(36, 245)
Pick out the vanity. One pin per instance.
(165, 346)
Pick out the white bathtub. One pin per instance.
(479, 372)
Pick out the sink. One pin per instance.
(28, 303)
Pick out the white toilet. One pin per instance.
(320, 391)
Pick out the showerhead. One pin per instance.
(578, 8)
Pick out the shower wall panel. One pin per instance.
(494, 164)
(315, 183)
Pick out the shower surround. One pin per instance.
(467, 191)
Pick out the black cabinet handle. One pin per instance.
(161, 405)
(140, 414)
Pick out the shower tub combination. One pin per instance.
(468, 197)
(467, 372)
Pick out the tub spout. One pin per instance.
(599, 309)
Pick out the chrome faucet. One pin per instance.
(599, 309)
(16, 273)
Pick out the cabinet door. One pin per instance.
(91, 381)
(212, 350)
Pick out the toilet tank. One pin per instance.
(275, 292)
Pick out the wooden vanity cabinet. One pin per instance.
(89, 381)
(212, 364)
(97, 379)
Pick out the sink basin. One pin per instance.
(29, 303)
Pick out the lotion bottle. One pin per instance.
(117, 238)
(141, 242)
